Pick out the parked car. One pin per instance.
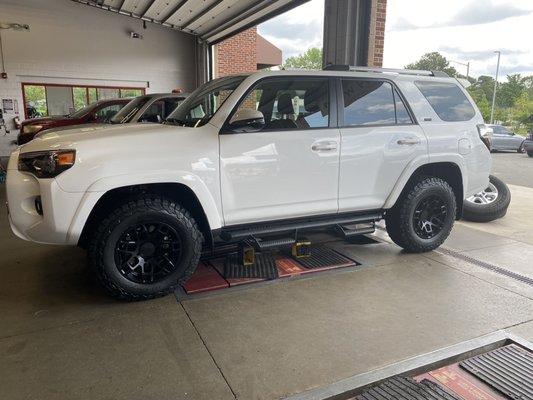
(150, 108)
(504, 139)
(96, 112)
(528, 144)
(236, 160)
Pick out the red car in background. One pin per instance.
(99, 112)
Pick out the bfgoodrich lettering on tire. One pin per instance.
(423, 217)
(145, 248)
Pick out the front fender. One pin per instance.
(96, 190)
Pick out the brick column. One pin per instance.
(237, 54)
(376, 38)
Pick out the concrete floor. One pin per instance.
(61, 337)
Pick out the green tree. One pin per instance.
(433, 62)
(481, 101)
(311, 59)
(522, 111)
(510, 91)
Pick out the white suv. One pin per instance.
(249, 156)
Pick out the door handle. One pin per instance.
(408, 141)
(324, 146)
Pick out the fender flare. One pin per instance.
(98, 188)
(421, 162)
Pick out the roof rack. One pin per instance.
(355, 68)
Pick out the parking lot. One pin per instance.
(272, 340)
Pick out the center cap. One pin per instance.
(147, 249)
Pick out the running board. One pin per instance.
(285, 226)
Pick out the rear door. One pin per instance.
(290, 167)
(379, 138)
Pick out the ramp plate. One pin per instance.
(263, 267)
(508, 369)
(322, 256)
(399, 388)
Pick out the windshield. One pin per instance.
(82, 111)
(126, 114)
(204, 102)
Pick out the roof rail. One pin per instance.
(355, 68)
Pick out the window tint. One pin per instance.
(448, 100)
(368, 103)
(290, 103)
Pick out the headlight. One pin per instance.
(31, 128)
(46, 164)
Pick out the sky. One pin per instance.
(462, 30)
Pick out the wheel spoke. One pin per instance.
(148, 252)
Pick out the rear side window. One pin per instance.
(447, 100)
(372, 102)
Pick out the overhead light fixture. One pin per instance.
(135, 35)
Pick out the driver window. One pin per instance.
(290, 103)
(107, 112)
(152, 113)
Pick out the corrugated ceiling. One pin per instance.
(211, 20)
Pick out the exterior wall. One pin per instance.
(237, 54)
(376, 38)
(74, 44)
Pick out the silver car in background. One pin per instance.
(505, 140)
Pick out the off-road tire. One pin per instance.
(530, 153)
(489, 212)
(144, 207)
(399, 219)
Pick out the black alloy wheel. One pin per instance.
(429, 217)
(148, 252)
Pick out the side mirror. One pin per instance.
(247, 120)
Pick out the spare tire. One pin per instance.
(489, 204)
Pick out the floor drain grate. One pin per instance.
(483, 264)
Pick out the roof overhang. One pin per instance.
(211, 20)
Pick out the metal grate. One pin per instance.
(508, 369)
(322, 257)
(264, 267)
(483, 264)
(398, 388)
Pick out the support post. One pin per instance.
(346, 32)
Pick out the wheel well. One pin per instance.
(173, 191)
(447, 171)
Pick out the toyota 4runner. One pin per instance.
(251, 156)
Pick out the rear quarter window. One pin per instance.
(447, 100)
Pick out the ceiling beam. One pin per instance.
(143, 12)
(274, 13)
(121, 4)
(174, 11)
(200, 14)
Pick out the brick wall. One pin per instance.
(237, 54)
(377, 33)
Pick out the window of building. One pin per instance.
(290, 103)
(41, 100)
(448, 100)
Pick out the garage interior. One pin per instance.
(311, 336)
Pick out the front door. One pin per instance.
(378, 141)
(289, 167)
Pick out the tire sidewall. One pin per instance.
(447, 197)
(117, 227)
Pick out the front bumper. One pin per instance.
(58, 207)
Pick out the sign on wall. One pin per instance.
(10, 106)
